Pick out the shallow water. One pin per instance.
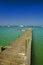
(37, 46)
(8, 34)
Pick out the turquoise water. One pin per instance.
(8, 34)
(37, 46)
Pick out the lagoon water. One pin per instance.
(8, 34)
(37, 46)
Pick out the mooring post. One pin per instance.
(26, 44)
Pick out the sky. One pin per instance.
(16, 12)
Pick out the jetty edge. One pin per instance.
(19, 51)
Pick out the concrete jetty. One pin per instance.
(19, 51)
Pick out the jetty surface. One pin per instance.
(19, 51)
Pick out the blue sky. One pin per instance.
(27, 12)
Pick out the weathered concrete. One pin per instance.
(19, 51)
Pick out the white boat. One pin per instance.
(21, 26)
(8, 26)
